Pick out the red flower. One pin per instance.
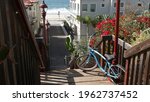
(144, 20)
(105, 33)
(99, 25)
(113, 21)
(106, 27)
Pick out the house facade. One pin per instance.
(93, 8)
(34, 13)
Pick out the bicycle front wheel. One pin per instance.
(86, 62)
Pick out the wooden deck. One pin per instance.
(73, 77)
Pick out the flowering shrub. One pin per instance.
(144, 21)
(106, 27)
(144, 35)
(129, 24)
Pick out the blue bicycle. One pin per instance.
(90, 61)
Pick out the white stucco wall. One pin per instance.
(108, 9)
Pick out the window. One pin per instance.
(93, 7)
(103, 5)
(122, 4)
(114, 4)
(72, 6)
(78, 8)
(139, 4)
(84, 7)
(75, 6)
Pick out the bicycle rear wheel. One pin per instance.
(117, 72)
(86, 62)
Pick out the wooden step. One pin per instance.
(74, 77)
(90, 80)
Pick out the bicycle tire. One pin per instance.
(117, 72)
(86, 64)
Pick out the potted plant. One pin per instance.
(70, 60)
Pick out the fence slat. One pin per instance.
(146, 69)
(140, 73)
(135, 73)
(126, 78)
(131, 70)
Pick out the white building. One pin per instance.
(34, 13)
(94, 8)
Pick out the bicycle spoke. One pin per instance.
(117, 74)
(86, 62)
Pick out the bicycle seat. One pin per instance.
(109, 57)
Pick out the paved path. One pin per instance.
(57, 45)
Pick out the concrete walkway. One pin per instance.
(57, 45)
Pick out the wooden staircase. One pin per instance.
(74, 77)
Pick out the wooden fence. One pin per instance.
(107, 47)
(135, 60)
(21, 66)
(138, 64)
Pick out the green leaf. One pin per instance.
(69, 45)
(87, 20)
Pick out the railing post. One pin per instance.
(116, 31)
(126, 72)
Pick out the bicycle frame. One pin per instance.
(107, 66)
(110, 70)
